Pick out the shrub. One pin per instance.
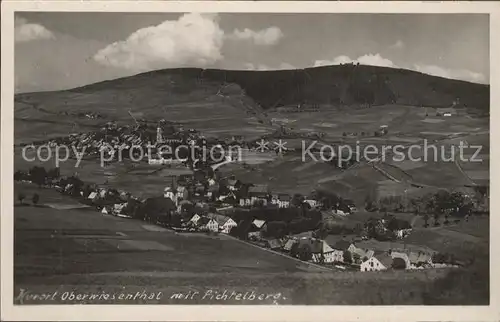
(398, 263)
(35, 198)
(347, 257)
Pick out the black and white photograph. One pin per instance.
(248, 158)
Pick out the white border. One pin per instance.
(230, 313)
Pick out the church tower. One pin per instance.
(159, 134)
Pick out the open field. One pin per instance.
(81, 251)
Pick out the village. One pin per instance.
(204, 201)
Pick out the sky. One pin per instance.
(62, 50)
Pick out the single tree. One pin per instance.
(446, 217)
(398, 263)
(305, 252)
(35, 199)
(436, 219)
(426, 220)
(21, 197)
(347, 257)
(294, 250)
(234, 231)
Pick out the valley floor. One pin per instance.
(85, 252)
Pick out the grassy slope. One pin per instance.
(347, 84)
(78, 250)
(325, 85)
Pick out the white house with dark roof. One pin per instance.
(322, 249)
(378, 262)
(209, 224)
(284, 200)
(225, 223)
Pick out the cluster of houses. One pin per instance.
(208, 219)
(123, 138)
(212, 222)
(212, 201)
(342, 252)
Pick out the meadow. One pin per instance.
(52, 250)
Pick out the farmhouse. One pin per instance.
(363, 254)
(322, 252)
(209, 224)
(233, 184)
(273, 244)
(344, 245)
(284, 201)
(225, 223)
(378, 262)
(340, 248)
(419, 259)
(171, 193)
(258, 192)
(117, 208)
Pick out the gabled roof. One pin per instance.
(385, 259)
(364, 252)
(195, 216)
(342, 245)
(221, 219)
(274, 243)
(316, 245)
(289, 244)
(203, 221)
(320, 246)
(259, 223)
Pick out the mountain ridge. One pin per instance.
(336, 85)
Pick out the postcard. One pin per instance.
(253, 161)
